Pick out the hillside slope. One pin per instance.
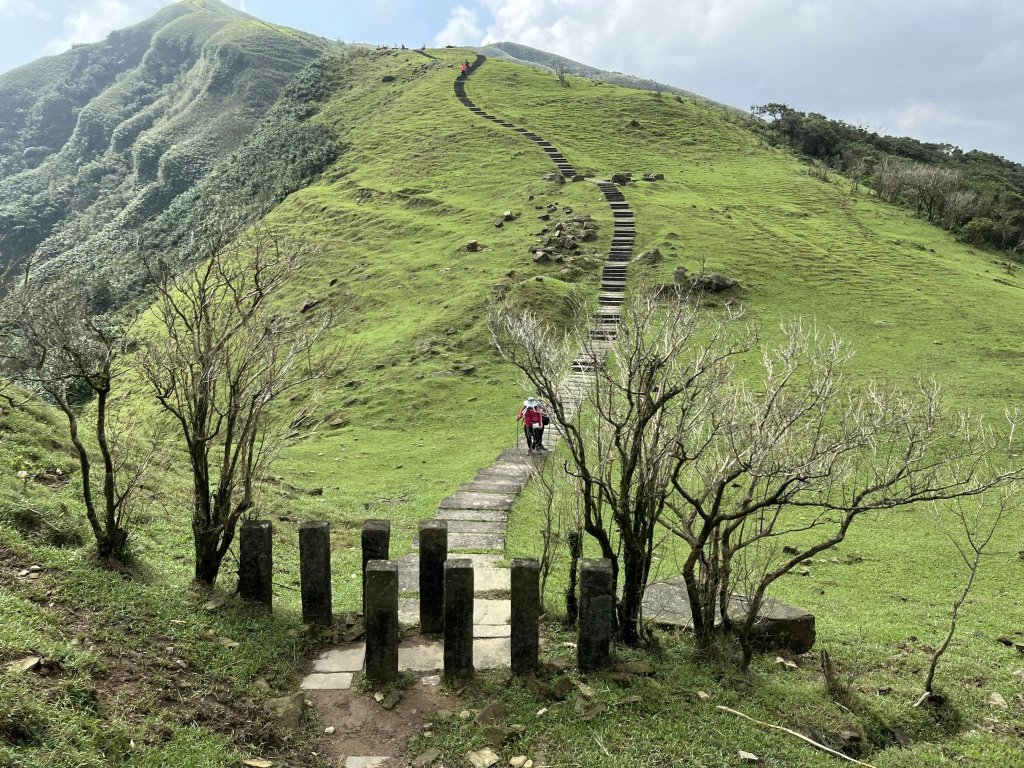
(101, 139)
(426, 402)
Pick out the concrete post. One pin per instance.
(315, 572)
(525, 616)
(597, 602)
(376, 546)
(458, 619)
(381, 621)
(433, 553)
(256, 561)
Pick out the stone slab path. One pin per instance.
(477, 514)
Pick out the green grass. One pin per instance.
(426, 403)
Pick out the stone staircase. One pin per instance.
(477, 515)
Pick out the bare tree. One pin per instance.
(53, 345)
(563, 74)
(971, 528)
(671, 437)
(225, 350)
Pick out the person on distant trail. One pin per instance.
(532, 416)
(464, 69)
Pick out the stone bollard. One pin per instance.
(525, 615)
(381, 621)
(597, 602)
(433, 553)
(458, 618)
(315, 572)
(376, 546)
(256, 561)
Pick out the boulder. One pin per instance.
(713, 282)
(540, 257)
(780, 627)
(588, 236)
(473, 246)
(621, 178)
(556, 177)
(508, 216)
(388, 79)
(652, 256)
(654, 177)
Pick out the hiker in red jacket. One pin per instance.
(532, 416)
(463, 69)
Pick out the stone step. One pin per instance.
(478, 515)
(466, 500)
(493, 486)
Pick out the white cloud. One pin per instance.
(918, 66)
(462, 29)
(92, 20)
(12, 9)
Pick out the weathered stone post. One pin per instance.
(376, 546)
(525, 615)
(433, 553)
(458, 618)
(596, 605)
(381, 621)
(256, 561)
(315, 572)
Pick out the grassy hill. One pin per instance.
(148, 678)
(101, 139)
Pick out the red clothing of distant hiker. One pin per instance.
(463, 69)
(532, 416)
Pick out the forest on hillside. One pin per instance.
(976, 195)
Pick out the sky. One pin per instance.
(937, 70)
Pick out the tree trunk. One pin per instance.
(208, 559)
(634, 581)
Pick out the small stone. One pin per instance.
(508, 216)
(257, 763)
(34, 569)
(498, 735)
(594, 711)
(427, 758)
(996, 700)
(484, 758)
(519, 762)
(748, 757)
(329, 730)
(288, 709)
(465, 715)
(557, 665)
(785, 663)
(378, 697)
(637, 668)
(542, 711)
(561, 688)
(586, 690)
(491, 714)
(34, 576)
(215, 603)
(23, 573)
(704, 696)
(431, 680)
(392, 700)
(26, 664)
(472, 246)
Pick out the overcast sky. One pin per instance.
(940, 70)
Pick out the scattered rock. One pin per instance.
(473, 246)
(508, 216)
(713, 283)
(329, 730)
(539, 688)
(634, 123)
(317, 492)
(214, 603)
(26, 664)
(650, 257)
(785, 663)
(586, 691)
(498, 735)
(257, 763)
(484, 758)
(522, 761)
(748, 757)
(431, 680)
(288, 709)
(388, 79)
(578, 177)
(854, 557)
(545, 217)
(594, 711)
(636, 668)
(541, 257)
(561, 688)
(556, 177)
(492, 713)
(35, 569)
(654, 177)
(392, 700)
(703, 696)
(996, 700)
(622, 179)
(620, 679)
(425, 759)
(681, 276)
(499, 224)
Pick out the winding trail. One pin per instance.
(477, 515)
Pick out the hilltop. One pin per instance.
(405, 179)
